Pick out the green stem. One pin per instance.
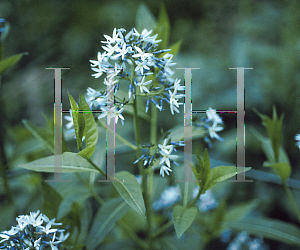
(141, 170)
(162, 229)
(97, 168)
(192, 202)
(292, 200)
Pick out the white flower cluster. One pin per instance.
(211, 124)
(33, 232)
(164, 155)
(134, 57)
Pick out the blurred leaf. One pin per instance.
(223, 173)
(274, 130)
(104, 221)
(237, 212)
(78, 195)
(269, 228)
(169, 242)
(85, 221)
(7, 216)
(144, 19)
(71, 163)
(267, 148)
(282, 169)
(41, 134)
(130, 190)
(175, 48)
(10, 61)
(91, 132)
(183, 218)
(50, 123)
(52, 199)
(163, 27)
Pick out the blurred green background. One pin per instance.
(216, 35)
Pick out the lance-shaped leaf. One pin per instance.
(282, 169)
(268, 228)
(129, 188)
(71, 163)
(183, 218)
(266, 145)
(91, 132)
(202, 169)
(46, 137)
(144, 19)
(274, 130)
(175, 48)
(10, 61)
(104, 221)
(78, 121)
(223, 173)
(163, 27)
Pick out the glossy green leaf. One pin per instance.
(10, 61)
(269, 228)
(91, 132)
(183, 218)
(130, 190)
(87, 152)
(223, 173)
(46, 137)
(77, 120)
(71, 163)
(144, 19)
(282, 169)
(104, 221)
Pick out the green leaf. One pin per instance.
(267, 148)
(144, 19)
(51, 204)
(87, 152)
(163, 27)
(50, 123)
(274, 130)
(223, 173)
(77, 195)
(91, 132)
(104, 221)
(46, 137)
(237, 212)
(183, 218)
(10, 61)
(78, 121)
(269, 228)
(282, 169)
(129, 188)
(175, 48)
(71, 163)
(202, 170)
